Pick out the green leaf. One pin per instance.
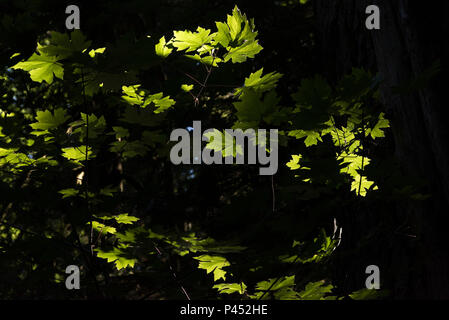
(129, 149)
(208, 60)
(312, 137)
(76, 153)
(136, 96)
(294, 163)
(42, 67)
(223, 142)
(262, 83)
(223, 35)
(252, 107)
(102, 228)
(120, 132)
(70, 192)
(133, 95)
(286, 293)
(160, 102)
(118, 256)
(230, 288)
(361, 185)
(186, 87)
(161, 49)
(108, 191)
(94, 52)
(243, 52)
(153, 138)
(14, 55)
(62, 46)
(275, 284)
(377, 131)
(315, 290)
(124, 218)
(313, 92)
(191, 41)
(368, 294)
(240, 28)
(96, 125)
(235, 23)
(46, 120)
(213, 264)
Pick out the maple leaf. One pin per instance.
(247, 50)
(213, 264)
(161, 48)
(117, 256)
(262, 83)
(191, 41)
(230, 288)
(63, 46)
(312, 137)
(42, 67)
(251, 107)
(377, 131)
(76, 153)
(46, 120)
(136, 96)
(315, 290)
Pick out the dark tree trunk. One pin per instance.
(413, 35)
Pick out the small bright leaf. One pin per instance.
(213, 264)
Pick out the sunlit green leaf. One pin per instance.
(213, 264)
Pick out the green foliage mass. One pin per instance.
(130, 217)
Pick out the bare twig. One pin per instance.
(183, 290)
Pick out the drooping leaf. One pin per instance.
(161, 49)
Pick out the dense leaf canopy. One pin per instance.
(85, 173)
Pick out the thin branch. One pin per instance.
(205, 80)
(183, 290)
(87, 165)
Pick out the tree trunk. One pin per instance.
(412, 37)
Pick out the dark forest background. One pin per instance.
(140, 227)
